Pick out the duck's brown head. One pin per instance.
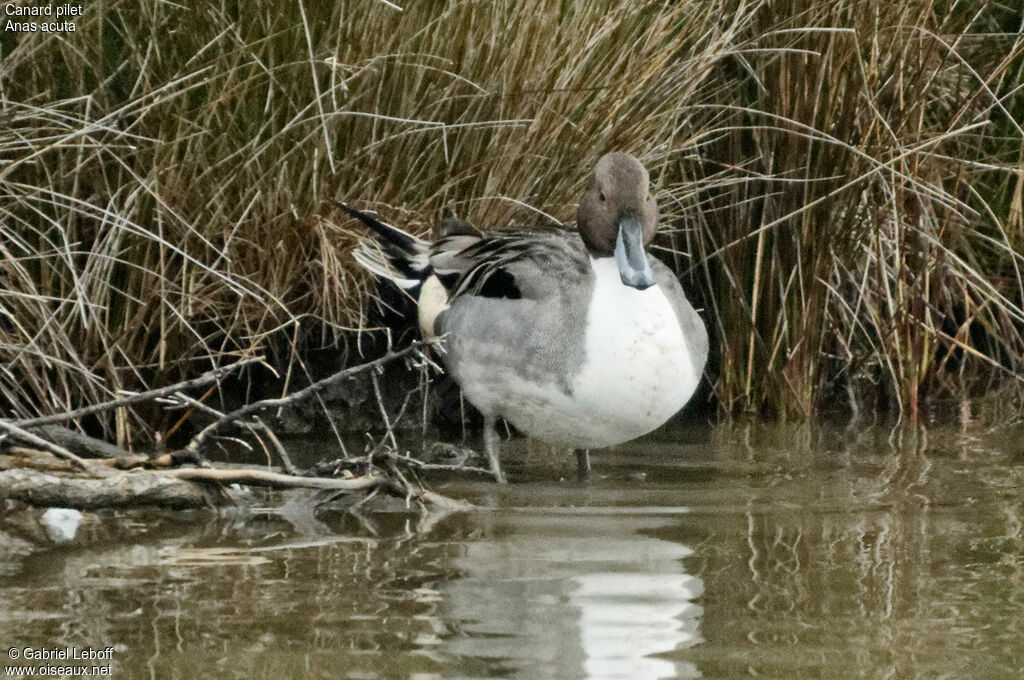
(618, 216)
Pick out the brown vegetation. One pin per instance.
(845, 176)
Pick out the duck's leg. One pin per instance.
(491, 446)
(582, 463)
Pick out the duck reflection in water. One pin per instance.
(582, 597)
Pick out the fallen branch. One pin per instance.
(256, 424)
(55, 449)
(87, 447)
(425, 496)
(187, 487)
(149, 395)
(274, 480)
(196, 487)
(118, 490)
(199, 441)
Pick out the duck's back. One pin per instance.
(514, 322)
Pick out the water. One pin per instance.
(740, 551)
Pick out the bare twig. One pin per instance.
(383, 411)
(199, 440)
(386, 456)
(148, 395)
(420, 465)
(282, 452)
(254, 425)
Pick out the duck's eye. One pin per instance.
(600, 195)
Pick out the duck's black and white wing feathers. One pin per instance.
(512, 264)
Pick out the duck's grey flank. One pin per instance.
(537, 337)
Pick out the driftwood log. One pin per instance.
(184, 488)
(123, 489)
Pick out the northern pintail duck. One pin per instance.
(580, 340)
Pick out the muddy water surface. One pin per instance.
(725, 552)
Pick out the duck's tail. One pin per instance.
(393, 254)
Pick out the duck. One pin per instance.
(581, 339)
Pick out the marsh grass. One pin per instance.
(864, 237)
(845, 177)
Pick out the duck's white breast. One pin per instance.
(636, 374)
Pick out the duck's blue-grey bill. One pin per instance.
(630, 256)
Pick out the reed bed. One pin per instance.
(860, 213)
(841, 182)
